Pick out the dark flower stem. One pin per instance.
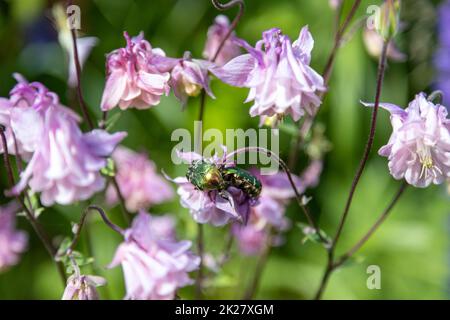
(201, 252)
(260, 266)
(126, 214)
(369, 144)
(224, 7)
(330, 264)
(200, 236)
(372, 230)
(307, 123)
(333, 265)
(42, 234)
(82, 222)
(85, 112)
(83, 106)
(285, 168)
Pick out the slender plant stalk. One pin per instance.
(369, 144)
(85, 112)
(305, 127)
(201, 252)
(372, 230)
(260, 266)
(126, 214)
(298, 197)
(333, 265)
(330, 259)
(200, 236)
(40, 231)
(224, 7)
(83, 218)
(83, 106)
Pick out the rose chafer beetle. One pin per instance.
(208, 176)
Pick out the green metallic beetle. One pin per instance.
(207, 176)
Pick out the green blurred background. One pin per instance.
(412, 248)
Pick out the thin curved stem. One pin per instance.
(201, 251)
(83, 218)
(305, 127)
(42, 234)
(374, 227)
(125, 212)
(333, 265)
(200, 236)
(330, 259)
(85, 113)
(369, 144)
(83, 106)
(260, 266)
(337, 42)
(223, 7)
(285, 168)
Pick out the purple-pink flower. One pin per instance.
(65, 166)
(189, 77)
(23, 115)
(419, 147)
(133, 77)
(139, 182)
(216, 33)
(12, 241)
(154, 267)
(211, 206)
(82, 287)
(278, 74)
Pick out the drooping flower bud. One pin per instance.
(387, 19)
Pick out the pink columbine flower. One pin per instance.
(23, 115)
(278, 74)
(211, 206)
(140, 184)
(66, 163)
(216, 34)
(12, 242)
(134, 80)
(82, 287)
(419, 147)
(189, 77)
(154, 267)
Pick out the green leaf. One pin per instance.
(110, 169)
(113, 120)
(312, 235)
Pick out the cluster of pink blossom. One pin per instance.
(63, 164)
(140, 184)
(154, 264)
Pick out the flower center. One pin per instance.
(426, 160)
